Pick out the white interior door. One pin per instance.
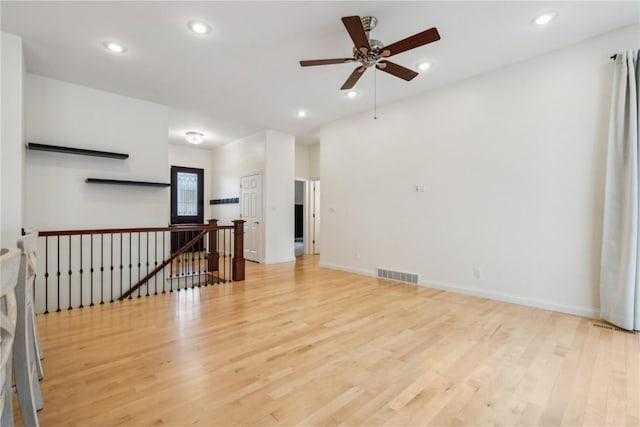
(316, 217)
(251, 212)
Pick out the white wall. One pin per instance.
(60, 113)
(314, 161)
(512, 164)
(279, 198)
(12, 147)
(229, 162)
(301, 161)
(299, 192)
(307, 161)
(271, 154)
(192, 157)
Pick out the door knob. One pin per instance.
(256, 222)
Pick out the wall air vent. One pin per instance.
(399, 276)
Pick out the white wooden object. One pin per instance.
(9, 267)
(25, 360)
(316, 217)
(31, 252)
(251, 212)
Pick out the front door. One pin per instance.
(187, 204)
(251, 213)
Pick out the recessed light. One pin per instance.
(301, 114)
(194, 137)
(351, 94)
(545, 18)
(114, 47)
(199, 27)
(424, 66)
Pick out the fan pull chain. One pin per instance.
(375, 93)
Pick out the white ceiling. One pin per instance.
(244, 76)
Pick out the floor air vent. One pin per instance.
(399, 276)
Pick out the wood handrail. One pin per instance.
(103, 264)
(178, 227)
(163, 264)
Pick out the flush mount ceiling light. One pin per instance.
(545, 18)
(301, 114)
(351, 94)
(114, 47)
(424, 66)
(194, 137)
(199, 27)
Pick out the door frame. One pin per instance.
(305, 213)
(313, 209)
(308, 212)
(198, 219)
(179, 238)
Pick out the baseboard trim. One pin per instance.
(575, 310)
(279, 261)
(360, 271)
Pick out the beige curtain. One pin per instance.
(620, 263)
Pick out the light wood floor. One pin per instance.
(298, 344)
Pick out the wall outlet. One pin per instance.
(477, 272)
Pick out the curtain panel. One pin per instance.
(620, 262)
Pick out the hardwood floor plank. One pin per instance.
(296, 344)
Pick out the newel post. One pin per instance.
(213, 256)
(238, 250)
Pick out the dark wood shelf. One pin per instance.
(126, 182)
(79, 151)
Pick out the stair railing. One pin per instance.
(78, 268)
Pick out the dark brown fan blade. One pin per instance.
(428, 36)
(325, 61)
(354, 27)
(396, 70)
(353, 78)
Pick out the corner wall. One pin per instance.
(229, 162)
(512, 163)
(12, 145)
(271, 154)
(279, 198)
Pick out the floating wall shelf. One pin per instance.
(125, 182)
(80, 151)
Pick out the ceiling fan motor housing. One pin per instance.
(370, 57)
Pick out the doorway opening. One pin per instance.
(314, 213)
(306, 217)
(299, 217)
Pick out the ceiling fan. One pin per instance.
(370, 52)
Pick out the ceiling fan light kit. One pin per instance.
(371, 52)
